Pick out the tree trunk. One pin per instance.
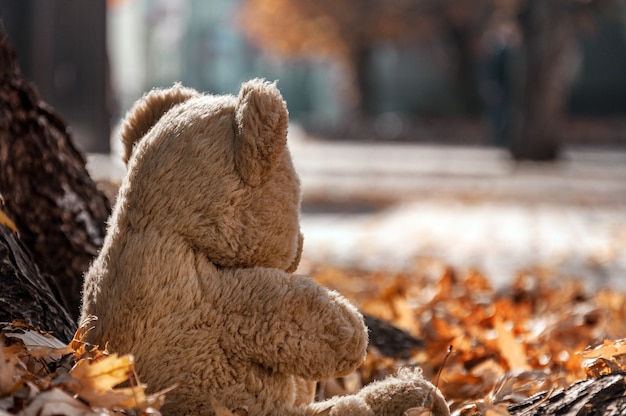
(25, 294)
(362, 59)
(548, 45)
(59, 213)
(390, 340)
(465, 72)
(358, 97)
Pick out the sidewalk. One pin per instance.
(383, 205)
(377, 205)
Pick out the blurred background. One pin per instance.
(528, 75)
(488, 133)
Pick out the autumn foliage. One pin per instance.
(39, 375)
(488, 348)
(331, 28)
(484, 348)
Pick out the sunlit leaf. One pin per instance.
(104, 374)
(517, 385)
(4, 220)
(57, 402)
(608, 358)
(508, 345)
(608, 349)
(8, 374)
(511, 349)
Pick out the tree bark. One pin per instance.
(538, 109)
(59, 213)
(362, 63)
(465, 72)
(390, 340)
(25, 294)
(604, 396)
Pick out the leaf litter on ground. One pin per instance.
(39, 375)
(483, 348)
(543, 332)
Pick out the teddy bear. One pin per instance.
(196, 274)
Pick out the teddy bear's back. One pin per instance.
(168, 324)
(222, 329)
(195, 275)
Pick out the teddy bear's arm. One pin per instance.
(290, 324)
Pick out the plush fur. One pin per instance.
(195, 275)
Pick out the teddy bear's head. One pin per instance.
(214, 171)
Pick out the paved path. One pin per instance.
(382, 205)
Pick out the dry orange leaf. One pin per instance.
(95, 382)
(104, 374)
(8, 374)
(608, 358)
(7, 221)
(519, 335)
(511, 349)
(608, 349)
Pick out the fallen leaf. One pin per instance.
(34, 339)
(104, 374)
(95, 382)
(4, 220)
(8, 374)
(511, 349)
(608, 358)
(608, 349)
(57, 402)
(515, 386)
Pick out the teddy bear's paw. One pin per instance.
(406, 390)
(406, 393)
(341, 406)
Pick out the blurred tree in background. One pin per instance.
(345, 30)
(549, 32)
(530, 91)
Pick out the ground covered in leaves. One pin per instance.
(484, 349)
(39, 375)
(487, 349)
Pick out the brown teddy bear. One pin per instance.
(195, 275)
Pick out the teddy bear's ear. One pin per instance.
(261, 120)
(147, 111)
